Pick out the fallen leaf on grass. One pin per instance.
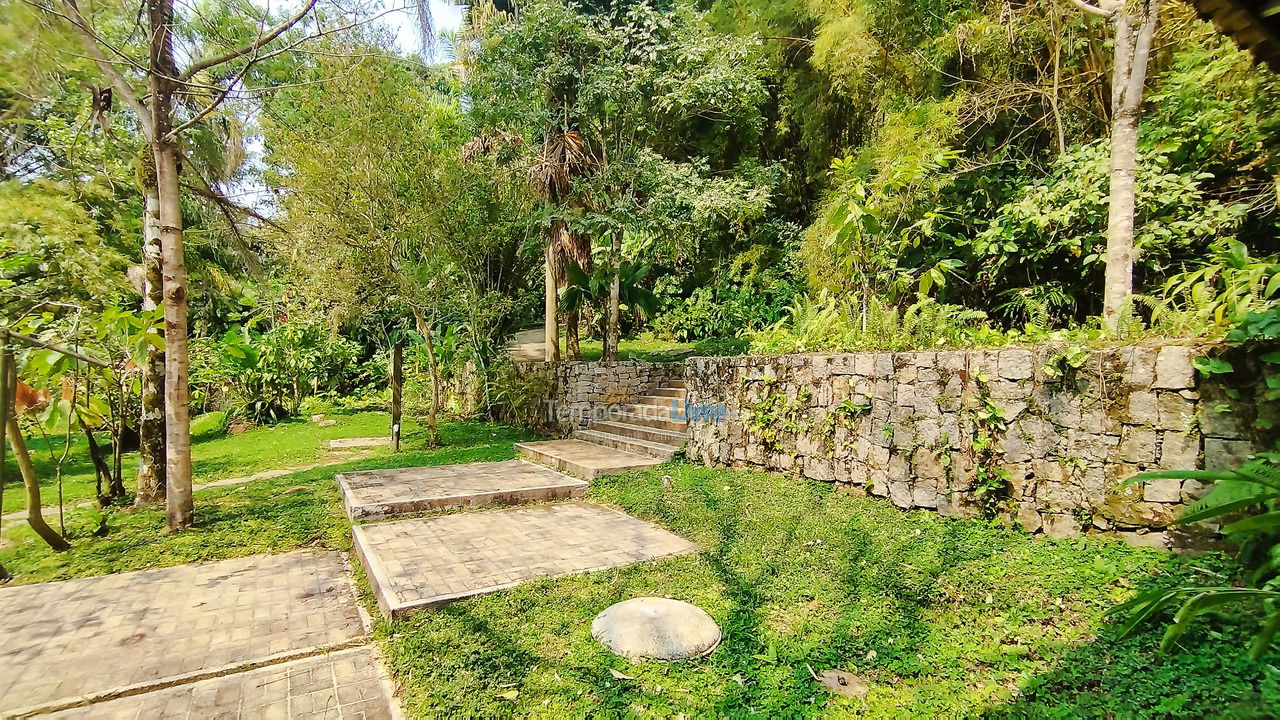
(841, 683)
(509, 695)
(619, 676)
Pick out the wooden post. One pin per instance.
(397, 386)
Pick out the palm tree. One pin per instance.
(564, 157)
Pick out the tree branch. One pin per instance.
(1093, 9)
(91, 41)
(261, 40)
(224, 203)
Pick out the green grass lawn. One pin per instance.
(277, 515)
(940, 617)
(943, 618)
(296, 441)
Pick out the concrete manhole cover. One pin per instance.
(650, 628)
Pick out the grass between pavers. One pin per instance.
(264, 516)
(295, 441)
(942, 617)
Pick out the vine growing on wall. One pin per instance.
(991, 480)
(775, 415)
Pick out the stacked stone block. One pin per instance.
(904, 426)
(585, 392)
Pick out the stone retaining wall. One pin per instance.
(587, 391)
(960, 432)
(933, 429)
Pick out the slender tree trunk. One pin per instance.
(178, 500)
(100, 467)
(427, 331)
(397, 387)
(1133, 39)
(613, 330)
(552, 325)
(32, 482)
(6, 359)
(572, 348)
(151, 425)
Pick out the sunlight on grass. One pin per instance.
(944, 618)
(277, 515)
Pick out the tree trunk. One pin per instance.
(1134, 34)
(552, 326)
(32, 482)
(427, 331)
(572, 348)
(178, 500)
(613, 330)
(100, 467)
(6, 359)
(151, 425)
(397, 387)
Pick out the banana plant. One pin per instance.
(585, 289)
(1247, 500)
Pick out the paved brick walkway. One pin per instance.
(343, 684)
(379, 493)
(83, 637)
(414, 564)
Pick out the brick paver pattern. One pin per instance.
(79, 637)
(344, 685)
(425, 561)
(380, 492)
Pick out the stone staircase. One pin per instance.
(649, 431)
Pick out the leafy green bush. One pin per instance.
(825, 323)
(265, 376)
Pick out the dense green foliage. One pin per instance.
(919, 163)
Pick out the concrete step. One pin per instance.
(662, 451)
(660, 412)
(675, 384)
(650, 420)
(679, 393)
(374, 494)
(583, 459)
(641, 432)
(660, 401)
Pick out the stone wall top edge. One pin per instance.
(1153, 344)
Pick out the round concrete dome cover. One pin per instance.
(653, 628)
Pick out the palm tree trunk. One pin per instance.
(552, 325)
(613, 331)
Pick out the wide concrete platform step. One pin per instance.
(342, 684)
(662, 451)
(95, 638)
(419, 563)
(371, 494)
(583, 459)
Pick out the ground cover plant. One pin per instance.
(939, 617)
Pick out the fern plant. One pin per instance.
(1247, 499)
